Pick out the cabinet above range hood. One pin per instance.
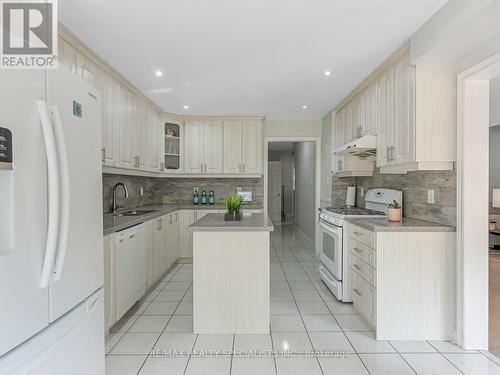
(364, 147)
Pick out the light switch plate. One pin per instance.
(430, 196)
(142, 191)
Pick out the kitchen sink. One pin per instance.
(135, 213)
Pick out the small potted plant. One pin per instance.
(233, 203)
(394, 211)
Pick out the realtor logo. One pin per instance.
(29, 34)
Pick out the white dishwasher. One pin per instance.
(130, 267)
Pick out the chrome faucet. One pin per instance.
(114, 205)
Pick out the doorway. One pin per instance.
(477, 289)
(292, 185)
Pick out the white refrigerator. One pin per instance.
(51, 245)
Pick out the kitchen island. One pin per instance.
(231, 274)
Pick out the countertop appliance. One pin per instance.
(333, 247)
(51, 251)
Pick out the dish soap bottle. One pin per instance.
(195, 198)
(211, 198)
(203, 197)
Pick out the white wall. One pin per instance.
(495, 102)
(326, 160)
(494, 158)
(305, 177)
(292, 128)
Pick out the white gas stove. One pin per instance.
(333, 242)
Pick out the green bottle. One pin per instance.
(195, 198)
(203, 197)
(211, 198)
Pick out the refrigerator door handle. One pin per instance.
(53, 193)
(65, 193)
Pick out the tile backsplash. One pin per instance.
(176, 190)
(414, 186)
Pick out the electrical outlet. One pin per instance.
(362, 191)
(142, 191)
(238, 189)
(430, 196)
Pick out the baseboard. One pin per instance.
(185, 260)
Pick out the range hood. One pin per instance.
(364, 147)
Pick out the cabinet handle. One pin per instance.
(103, 154)
(205, 167)
(357, 267)
(162, 166)
(244, 167)
(176, 217)
(239, 167)
(357, 250)
(356, 291)
(201, 167)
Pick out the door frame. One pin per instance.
(317, 194)
(473, 202)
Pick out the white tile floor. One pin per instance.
(305, 316)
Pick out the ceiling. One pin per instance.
(237, 57)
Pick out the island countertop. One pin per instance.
(251, 222)
(406, 225)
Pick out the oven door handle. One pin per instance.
(330, 227)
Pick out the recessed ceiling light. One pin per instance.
(327, 73)
(304, 107)
(186, 107)
(158, 73)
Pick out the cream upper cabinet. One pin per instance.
(193, 141)
(412, 111)
(127, 137)
(110, 100)
(233, 146)
(243, 146)
(252, 147)
(402, 146)
(155, 139)
(203, 146)
(370, 110)
(212, 146)
(385, 117)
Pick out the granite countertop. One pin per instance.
(249, 223)
(407, 225)
(114, 223)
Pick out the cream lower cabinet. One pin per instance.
(403, 282)
(109, 282)
(186, 218)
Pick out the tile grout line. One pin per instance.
(171, 316)
(341, 328)
(138, 316)
(301, 318)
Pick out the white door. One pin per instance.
(212, 147)
(404, 124)
(274, 190)
(25, 306)
(193, 143)
(232, 147)
(252, 146)
(79, 264)
(73, 345)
